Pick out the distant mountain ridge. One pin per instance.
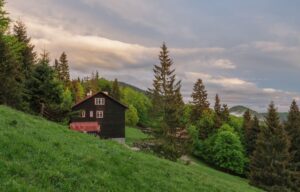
(239, 111)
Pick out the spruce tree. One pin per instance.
(293, 130)
(45, 90)
(115, 92)
(165, 94)
(64, 73)
(200, 102)
(225, 113)
(4, 19)
(218, 112)
(28, 55)
(11, 77)
(269, 165)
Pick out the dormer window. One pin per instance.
(99, 101)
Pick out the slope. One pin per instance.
(38, 155)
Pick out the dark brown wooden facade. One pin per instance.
(108, 112)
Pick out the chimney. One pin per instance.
(90, 93)
(105, 92)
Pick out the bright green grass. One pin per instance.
(134, 134)
(38, 155)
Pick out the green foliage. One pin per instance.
(206, 124)
(140, 102)
(43, 87)
(11, 77)
(199, 102)
(186, 115)
(62, 69)
(165, 95)
(115, 92)
(67, 100)
(228, 152)
(131, 116)
(28, 55)
(226, 127)
(38, 155)
(4, 19)
(218, 112)
(134, 135)
(105, 85)
(270, 161)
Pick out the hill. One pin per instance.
(240, 110)
(38, 155)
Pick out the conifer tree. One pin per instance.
(64, 74)
(165, 94)
(225, 113)
(218, 112)
(11, 77)
(28, 55)
(200, 102)
(293, 130)
(4, 19)
(115, 92)
(270, 161)
(44, 89)
(251, 136)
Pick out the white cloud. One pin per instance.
(224, 64)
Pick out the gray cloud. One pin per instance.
(248, 56)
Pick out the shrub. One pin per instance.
(206, 124)
(131, 116)
(228, 152)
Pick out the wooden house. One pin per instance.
(100, 114)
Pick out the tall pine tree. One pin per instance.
(218, 112)
(225, 113)
(115, 92)
(200, 102)
(45, 90)
(166, 97)
(64, 73)
(293, 130)
(28, 54)
(11, 77)
(269, 166)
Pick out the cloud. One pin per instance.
(224, 64)
(235, 91)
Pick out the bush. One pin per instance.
(228, 152)
(131, 116)
(206, 124)
(224, 150)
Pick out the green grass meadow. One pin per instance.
(38, 155)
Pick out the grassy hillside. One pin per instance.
(134, 134)
(38, 155)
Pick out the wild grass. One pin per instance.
(38, 155)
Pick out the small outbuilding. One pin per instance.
(100, 114)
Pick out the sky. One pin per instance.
(246, 51)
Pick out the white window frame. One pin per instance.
(91, 114)
(99, 101)
(99, 114)
(83, 114)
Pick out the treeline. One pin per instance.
(267, 152)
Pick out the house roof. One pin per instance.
(104, 94)
(85, 126)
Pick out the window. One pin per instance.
(83, 114)
(99, 114)
(99, 101)
(91, 113)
